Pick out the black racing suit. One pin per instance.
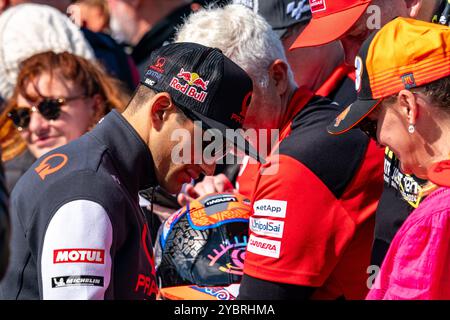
(77, 229)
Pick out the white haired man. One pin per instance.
(321, 201)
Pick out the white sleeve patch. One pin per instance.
(270, 208)
(264, 247)
(76, 258)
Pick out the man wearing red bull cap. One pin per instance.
(351, 22)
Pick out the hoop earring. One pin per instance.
(411, 129)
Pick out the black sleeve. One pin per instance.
(257, 289)
(4, 225)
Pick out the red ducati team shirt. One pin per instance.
(313, 204)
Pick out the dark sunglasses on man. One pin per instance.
(49, 108)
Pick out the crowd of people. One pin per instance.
(347, 195)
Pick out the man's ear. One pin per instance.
(409, 106)
(413, 7)
(161, 106)
(278, 72)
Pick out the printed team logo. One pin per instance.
(155, 71)
(359, 70)
(234, 250)
(79, 256)
(341, 116)
(270, 208)
(51, 164)
(318, 5)
(192, 82)
(146, 283)
(266, 227)
(70, 281)
(244, 107)
(158, 66)
(264, 247)
(408, 80)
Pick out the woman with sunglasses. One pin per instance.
(58, 97)
(404, 103)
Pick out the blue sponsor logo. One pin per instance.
(269, 226)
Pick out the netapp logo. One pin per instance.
(215, 201)
(267, 227)
(79, 255)
(70, 281)
(270, 208)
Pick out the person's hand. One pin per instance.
(210, 184)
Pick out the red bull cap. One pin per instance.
(205, 85)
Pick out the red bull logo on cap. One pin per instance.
(193, 81)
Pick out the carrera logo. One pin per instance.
(70, 281)
(47, 167)
(79, 256)
(266, 227)
(270, 208)
(215, 201)
(318, 5)
(264, 247)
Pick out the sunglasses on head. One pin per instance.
(49, 108)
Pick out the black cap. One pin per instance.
(206, 85)
(365, 103)
(280, 14)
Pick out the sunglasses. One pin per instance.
(49, 108)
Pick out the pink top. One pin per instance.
(417, 265)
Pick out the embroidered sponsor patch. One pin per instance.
(270, 208)
(264, 247)
(79, 255)
(318, 5)
(70, 281)
(266, 227)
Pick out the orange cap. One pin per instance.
(330, 20)
(404, 54)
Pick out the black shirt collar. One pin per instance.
(130, 153)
